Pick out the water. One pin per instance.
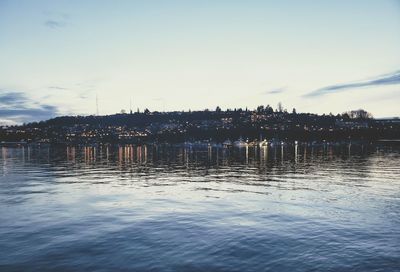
(157, 208)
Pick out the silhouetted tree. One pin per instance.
(268, 109)
(359, 114)
(280, 107)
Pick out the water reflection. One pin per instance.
(126, 156)
(209, 208)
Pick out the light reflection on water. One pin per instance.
(160, 208)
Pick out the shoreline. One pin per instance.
(239, 143)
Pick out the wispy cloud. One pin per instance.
(54, 24)
(275, 91)
(56, 19)
(17, 107)
(382, 80)
(11, 98)
(57, 88)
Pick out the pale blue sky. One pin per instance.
(317, 56)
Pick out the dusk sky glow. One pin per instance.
(317, 56)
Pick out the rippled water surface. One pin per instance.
(158, 208)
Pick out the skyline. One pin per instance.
(317, 57)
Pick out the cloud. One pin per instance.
(57, 88)
(17, 107)
(275, 91)
(11, 98)
(383, 80)
(56, 19)
(54, 24)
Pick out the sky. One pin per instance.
(323, 56)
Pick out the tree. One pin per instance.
(280, 107)
(359, 114)
(218, 109)
(268, 109)
(345, 116)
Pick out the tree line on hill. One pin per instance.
(214, 125)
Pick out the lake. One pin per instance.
(172, 208)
